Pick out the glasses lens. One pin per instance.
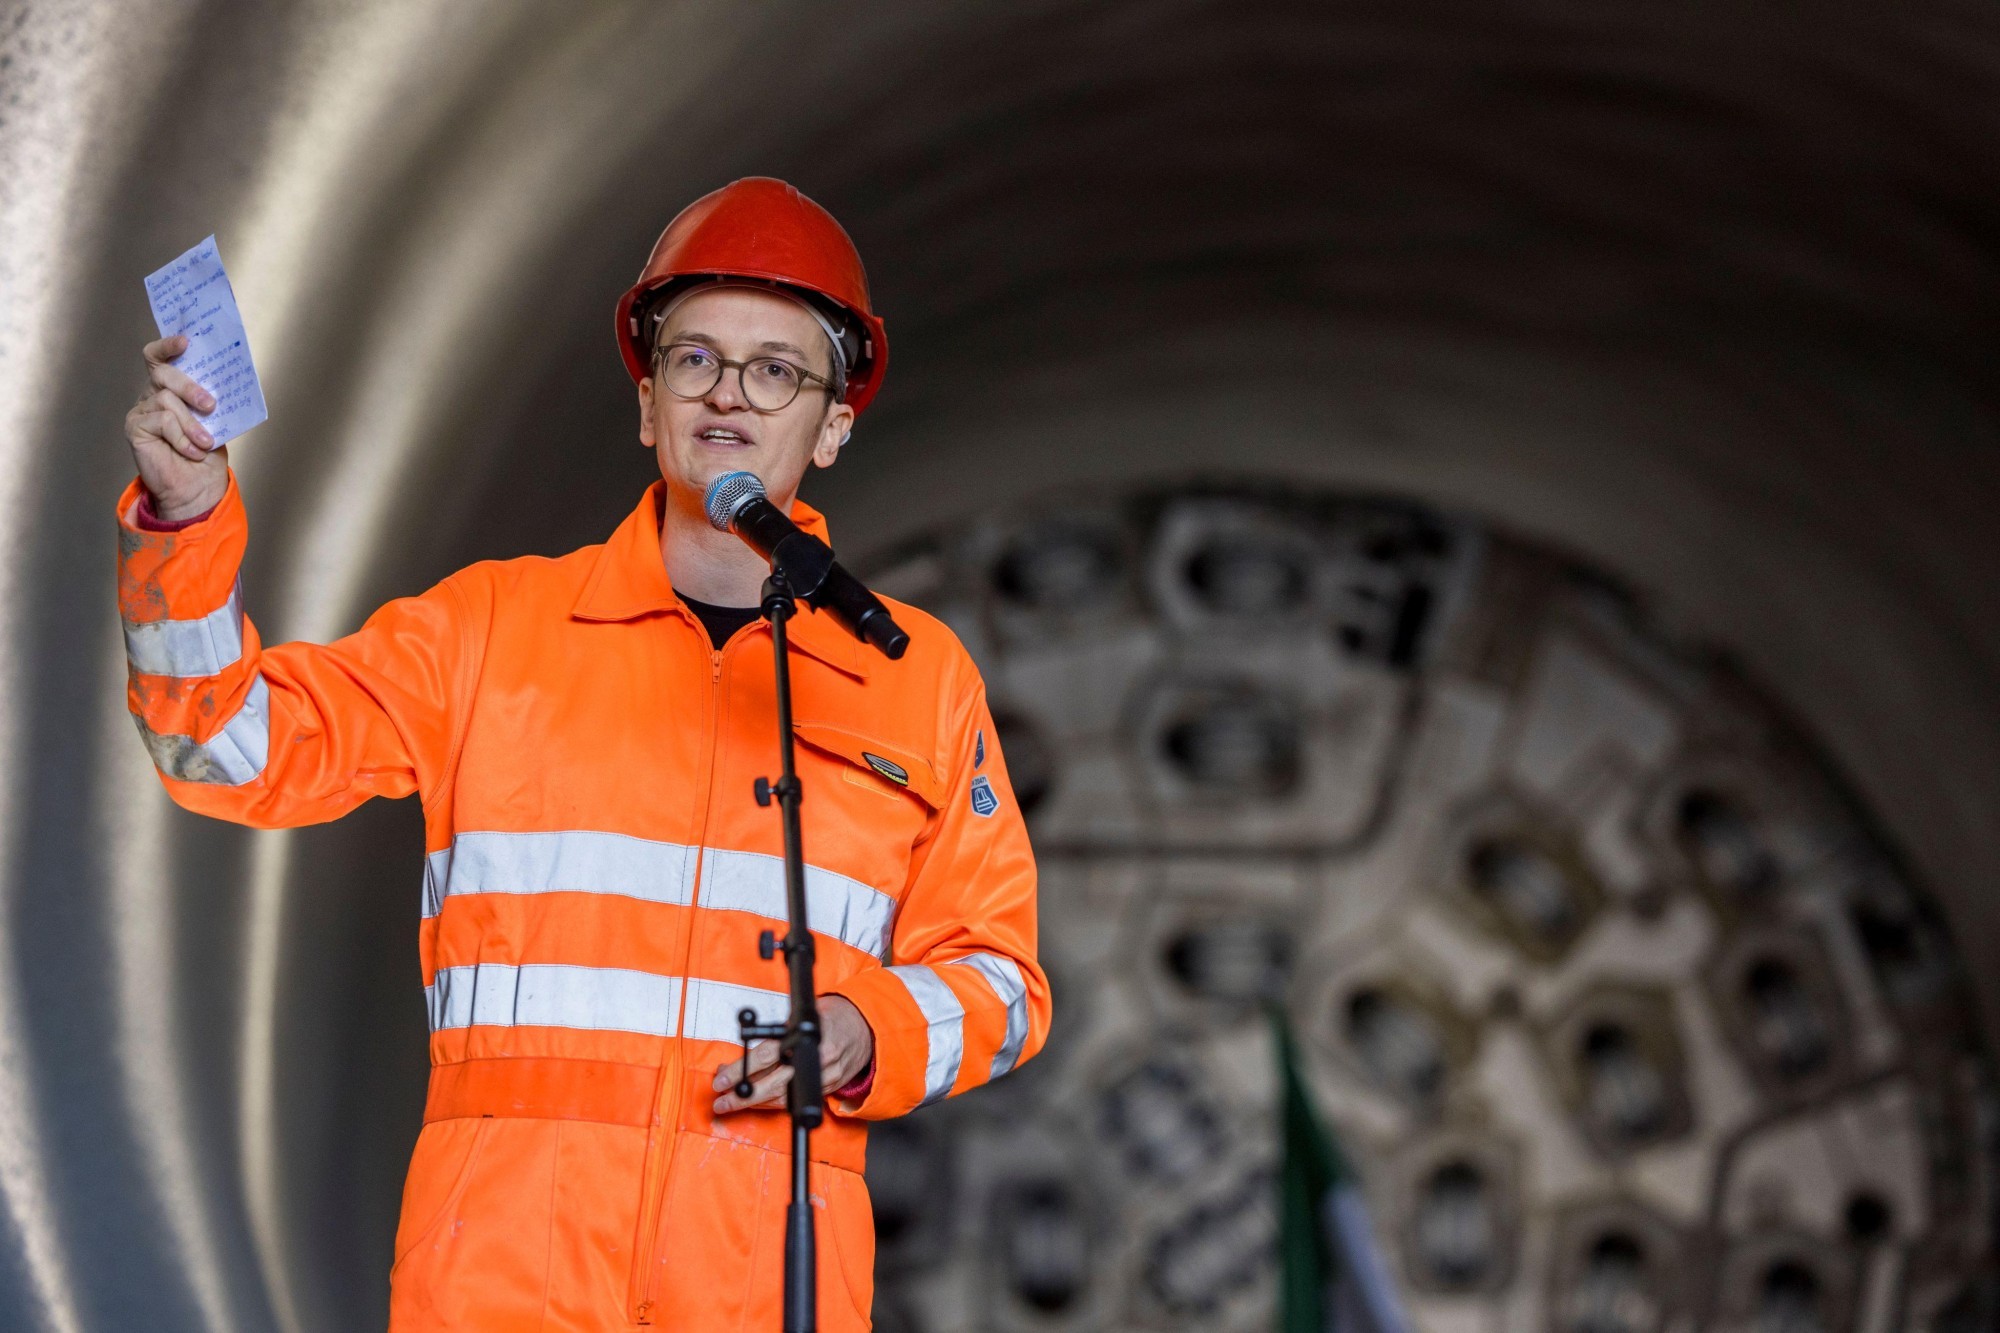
(770, 384)
(689, 371)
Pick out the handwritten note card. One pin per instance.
(192, 296)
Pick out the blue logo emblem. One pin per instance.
(979, 748)
(984, 802)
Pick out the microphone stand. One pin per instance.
(797, 1037)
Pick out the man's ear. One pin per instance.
(646, 412)
(833, 433)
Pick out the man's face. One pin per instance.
(699, 439)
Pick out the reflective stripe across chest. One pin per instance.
(588, 861)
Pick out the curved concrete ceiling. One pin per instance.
(1703, 295)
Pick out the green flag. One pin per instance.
(1331, 1275)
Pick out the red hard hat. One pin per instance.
(763, 229)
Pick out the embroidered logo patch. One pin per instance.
(984, 802)
(896, 773)
(979, 747)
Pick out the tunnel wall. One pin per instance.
(1705, 297)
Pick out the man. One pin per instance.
(585, 733)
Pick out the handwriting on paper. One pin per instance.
(192, 296)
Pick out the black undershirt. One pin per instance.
(721, 622)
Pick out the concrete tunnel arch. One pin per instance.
(1699, 296)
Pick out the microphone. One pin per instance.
(736, 503)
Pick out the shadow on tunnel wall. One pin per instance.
(1699, 297)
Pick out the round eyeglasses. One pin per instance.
(768, 383)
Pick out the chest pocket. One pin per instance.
(875, 764)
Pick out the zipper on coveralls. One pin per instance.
(666, 1133)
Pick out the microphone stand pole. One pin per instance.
(797, 1037)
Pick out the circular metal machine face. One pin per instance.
(1625, 1018)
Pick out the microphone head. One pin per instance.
(727, 495)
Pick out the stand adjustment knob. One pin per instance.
(767, 945)
(763, 790)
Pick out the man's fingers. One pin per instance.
(762, 1056)
(835, 1057)
(169, 401)
(162, 350)
(768, 1087)
(163, 425)
(842, 1069)
(845, 1049)
(183, 385)
(850, 1042)
(175, 432)
(763, 1089)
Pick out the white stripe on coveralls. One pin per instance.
(574, 861)
(202, 647)
(553, 995)
(583, 861)
(1004, 975)
(844, 909)
(712, 1008)
(233, 756)
(601, 999)
(945, 1017)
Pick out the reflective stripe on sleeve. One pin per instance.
(1004, 975)
(203, 647)
(553, 995)
(712, 1007)
(233, 756)
(946, 1019)
(571, 861)
(836, 906)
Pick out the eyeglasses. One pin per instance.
(769, 383)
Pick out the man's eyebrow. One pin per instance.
(710, 340)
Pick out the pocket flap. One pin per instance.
(892, 763)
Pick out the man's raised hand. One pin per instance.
(183, 470)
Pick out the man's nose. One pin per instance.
(727, 395)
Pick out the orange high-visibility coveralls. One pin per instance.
(598, 872)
